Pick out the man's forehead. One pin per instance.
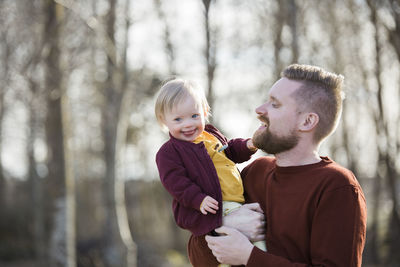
(283, 87)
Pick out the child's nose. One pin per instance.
(187, 123)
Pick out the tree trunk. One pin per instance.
(169, 49)
(279, 22)
(210, 54)
(115, 253)
(122, 216)
(393, 232)
(61, 243)
(36, 185)
(5, 46)
(292, 22)
(122, 128)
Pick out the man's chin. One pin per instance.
(259, 137)
(258, 142)
(272, 144)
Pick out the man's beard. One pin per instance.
(271, 143)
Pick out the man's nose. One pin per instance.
(261, 110)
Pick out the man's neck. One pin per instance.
(297, 156)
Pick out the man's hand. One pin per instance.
(209, 204)
(232, 247)
(249, 220)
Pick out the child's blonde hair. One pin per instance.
(173, 92)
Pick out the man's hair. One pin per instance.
(321, 93)
(173, 92)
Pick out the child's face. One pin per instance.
(186, 120)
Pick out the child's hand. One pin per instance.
(250, 145)
(209, 204)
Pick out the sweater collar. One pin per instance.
(301, 168)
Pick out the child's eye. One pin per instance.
(194, 116)
(177, 119)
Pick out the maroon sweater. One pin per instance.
(188, 173)
(315, 214)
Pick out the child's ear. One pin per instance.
(309, 121)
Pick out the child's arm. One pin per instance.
(209, 204)
(173, 176)
(240, 150)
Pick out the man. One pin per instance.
(315, 209)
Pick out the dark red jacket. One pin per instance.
(188, 173)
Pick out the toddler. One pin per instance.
(197, 164)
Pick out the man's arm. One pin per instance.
(337, 238)
(232, 247)
(249, 220)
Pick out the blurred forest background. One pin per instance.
(78, 182)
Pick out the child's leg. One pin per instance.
(199, 253)
(261, 245)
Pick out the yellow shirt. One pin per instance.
(228, 174)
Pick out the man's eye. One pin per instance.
(275, 105)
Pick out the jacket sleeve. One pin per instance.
(238, 151)
(337, 235)
(174, 177)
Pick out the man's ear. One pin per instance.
(309, 122)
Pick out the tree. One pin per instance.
(210, 52)
(387, 157)
(117, 234)
(61, 243)
(5, 53)
(169, 48)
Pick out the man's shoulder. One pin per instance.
(338, 174)
(265, 160)
(260, 164)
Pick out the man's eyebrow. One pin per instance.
(271, 97)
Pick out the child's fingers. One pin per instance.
(211, 210)
(213, 201)
(209, 204)
(203, 210)
(213, 205)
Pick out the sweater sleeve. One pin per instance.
(337, 235)
(174, 177)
